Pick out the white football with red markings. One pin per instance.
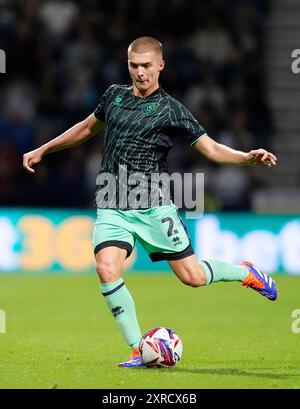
(160, 347)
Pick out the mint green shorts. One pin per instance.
(160, 230)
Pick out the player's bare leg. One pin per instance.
(189, 271)
(194, 273)
(110, 265)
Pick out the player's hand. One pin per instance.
(259, 157)
(30, 159)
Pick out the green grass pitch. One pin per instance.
(60, 334)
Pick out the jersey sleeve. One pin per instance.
(184, 124)
(101, 107)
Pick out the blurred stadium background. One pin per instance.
(228, 61)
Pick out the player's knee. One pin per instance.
(195, 281)
(191, 279)
(106, 271)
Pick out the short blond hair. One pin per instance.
(145, 44)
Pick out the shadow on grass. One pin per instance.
(236, 372)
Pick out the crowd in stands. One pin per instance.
(63, 54)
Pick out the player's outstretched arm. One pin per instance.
(76, 135)
(225, 155)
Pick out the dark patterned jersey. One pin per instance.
(139, 132)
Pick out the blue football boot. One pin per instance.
(259, 281)
(134, 361)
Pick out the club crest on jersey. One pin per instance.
(118, 101)
(149, 108)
